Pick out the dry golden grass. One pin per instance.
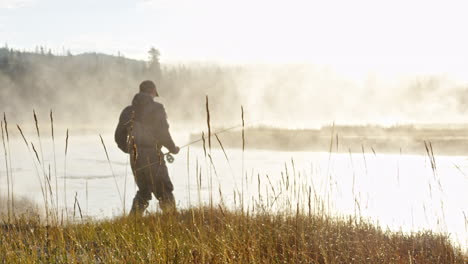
(208, 235)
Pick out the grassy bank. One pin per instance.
(211, 235)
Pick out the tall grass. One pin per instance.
(12, 180)
(52, 134)
(65, 204)
(7, 172)
(35, 166)
(243, 151)
(224, 237)
(287, 223)
(113, 174)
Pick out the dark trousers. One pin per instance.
(151, 177)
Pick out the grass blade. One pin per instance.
(112, 170)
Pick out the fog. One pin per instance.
(88, 91)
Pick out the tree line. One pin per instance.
(81, 86)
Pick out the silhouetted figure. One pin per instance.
(142, 131)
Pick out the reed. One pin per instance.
(77, 205)
(188, 177)
(52, 134)
(112, 171)
(243, 152)
(210, 180)
(41, 160)
(12, 179)
(36, 170)
(65, 176)
(222, 148)
(7, 173)
(208, 123)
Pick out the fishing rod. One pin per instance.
(170, 158)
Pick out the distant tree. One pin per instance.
(153, 63)
(153, 54)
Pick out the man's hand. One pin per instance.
(175, 150)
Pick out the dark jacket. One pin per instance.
(144, 123)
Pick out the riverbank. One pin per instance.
(217, 235)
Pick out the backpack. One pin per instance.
(121, 135)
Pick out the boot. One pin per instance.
(138, 207)
(167, 203)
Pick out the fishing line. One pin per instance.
(170, 158)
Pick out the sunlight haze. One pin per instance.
(352, 37)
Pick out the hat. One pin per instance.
(148, 87)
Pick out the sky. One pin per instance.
(353, 37)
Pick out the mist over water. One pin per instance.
(89, 91)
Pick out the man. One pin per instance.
(142, 131)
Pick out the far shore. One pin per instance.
(450, 140)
